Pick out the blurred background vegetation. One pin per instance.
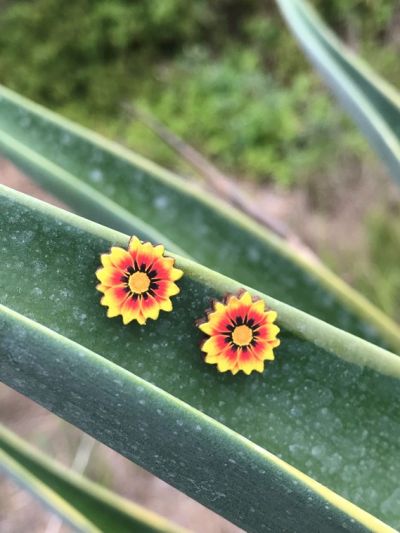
(229, 78)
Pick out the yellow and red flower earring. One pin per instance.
(241, 334)
(138, 282)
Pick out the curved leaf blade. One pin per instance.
(11, 468)
(85, 505)
(327, 405)
(71, 162)
(372, 103)
(83, 197)
(291, 500)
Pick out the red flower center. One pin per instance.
(139, 282)
(242, 335)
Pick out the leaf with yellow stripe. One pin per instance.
(327, 405)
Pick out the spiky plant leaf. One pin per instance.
(82, 504)
(109, 184)
(373, 104)
(327, 405)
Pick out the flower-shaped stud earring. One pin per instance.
(137, 283)
(241, 334)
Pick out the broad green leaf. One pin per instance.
(84, 505)
(372, 103)
(328, 405)
(96, 176)
(198, 455)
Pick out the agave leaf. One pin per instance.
(373, 104)
(84, 505)
(105, 182)
(327, 405)
(200, 456)
(11, 468)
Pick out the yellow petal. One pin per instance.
(271, 316)
(134, 243)
(126, 318)
(102, 288)
(219, 307)
(235, 370)
(259, 366)
(120, 258)
(129, 311)
(245, 298)
(113, 311)
(165, 305)
(109, 276)
(232, 302)
(247, 367)
(274, 330)
(274, 343)
(173, 289)
(211, 346)
(151, 312)
(176, 274)
(259, 306)
(159, 250)
(117, 253)
(105, 260)
(112, 299)
(215, 317)
(224, 364)
(109, 300)
(206, 328)
(267, 354)
(144, 254)
(147, 248)
(168, 262)
(141, 319)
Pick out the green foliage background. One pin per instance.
(225, 74)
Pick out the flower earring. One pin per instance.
(138, 282)
(241, 334)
